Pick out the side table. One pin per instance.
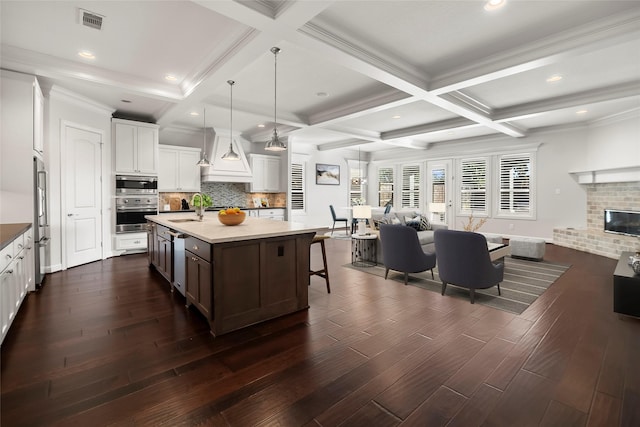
(363, 250)
(626, 288)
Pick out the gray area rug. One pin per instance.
(524, 281)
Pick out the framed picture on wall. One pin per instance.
(327, 174)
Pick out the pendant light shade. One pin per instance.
(231, 155)
(274, 144)
(204, 162)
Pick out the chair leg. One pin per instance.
(326, 269)
(333, 227)
(499, 289)
(386, 273)
(406, 278)
(472, 295)
(432, 277)
(444, 286)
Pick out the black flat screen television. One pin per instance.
(622, 222)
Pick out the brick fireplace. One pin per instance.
(593, 239)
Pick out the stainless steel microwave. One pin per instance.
(131, 185)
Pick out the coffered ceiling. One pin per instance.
(377, 75)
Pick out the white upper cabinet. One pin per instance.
(266, 174)
(136, 147)
(178, 169)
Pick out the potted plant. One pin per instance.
(200, 202)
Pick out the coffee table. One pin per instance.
(497, 251)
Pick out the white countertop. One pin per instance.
(213, 231)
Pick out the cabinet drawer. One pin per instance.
(18, 244)
(6, 256)
(131, 241)
(199, 248)
(271, 212)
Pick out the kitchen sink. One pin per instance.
(183, 220)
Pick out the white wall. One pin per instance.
(16, 148)
(64, 106)
(614, 143)
(319, 197)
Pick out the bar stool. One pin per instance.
(324, 273)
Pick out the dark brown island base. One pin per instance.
(235, 276)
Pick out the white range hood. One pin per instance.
(226, 170)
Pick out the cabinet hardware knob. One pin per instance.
(8, 256)
(9, 271)
(195, 247)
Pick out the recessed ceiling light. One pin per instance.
(126, 101)
(194, 113)
(582, 111)
(260, 125)
(397, 116)
(86, 54)
(554, 78)
(494, 4)
(322, 94)
(170, 77)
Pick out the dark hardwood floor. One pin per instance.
(108, 344)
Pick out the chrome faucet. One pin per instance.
(199, 210)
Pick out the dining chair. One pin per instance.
(337, 219)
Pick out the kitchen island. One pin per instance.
(235, 276)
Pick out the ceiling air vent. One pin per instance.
(90, 19)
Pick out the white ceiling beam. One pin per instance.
(335, 49)
(427, 128)
(574, 100)
(341, 144)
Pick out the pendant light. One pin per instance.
(274, 143)
(231, 155)
(204, 162)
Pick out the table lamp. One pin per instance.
(362, 213)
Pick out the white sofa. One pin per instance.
(425, 237)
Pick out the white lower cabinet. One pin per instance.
(131, 242)
(16, 277)
(271, 213)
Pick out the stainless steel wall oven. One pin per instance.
(136, 196)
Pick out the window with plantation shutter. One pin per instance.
(410, 196)
(385, 186)
(356, 196)
(515, 196)
(473, 186)
(297, 187)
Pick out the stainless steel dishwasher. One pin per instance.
(179, 273)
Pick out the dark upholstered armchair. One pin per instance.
(401, 251)
(463, 260)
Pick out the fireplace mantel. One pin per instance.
(597, 176)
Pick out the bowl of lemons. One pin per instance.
(231, 216)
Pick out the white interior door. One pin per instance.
(440, 197)
(83, 198)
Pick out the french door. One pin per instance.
(440, 192)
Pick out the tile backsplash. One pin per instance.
(224, 194)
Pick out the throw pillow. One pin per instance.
(424, 223)
(413, 224)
